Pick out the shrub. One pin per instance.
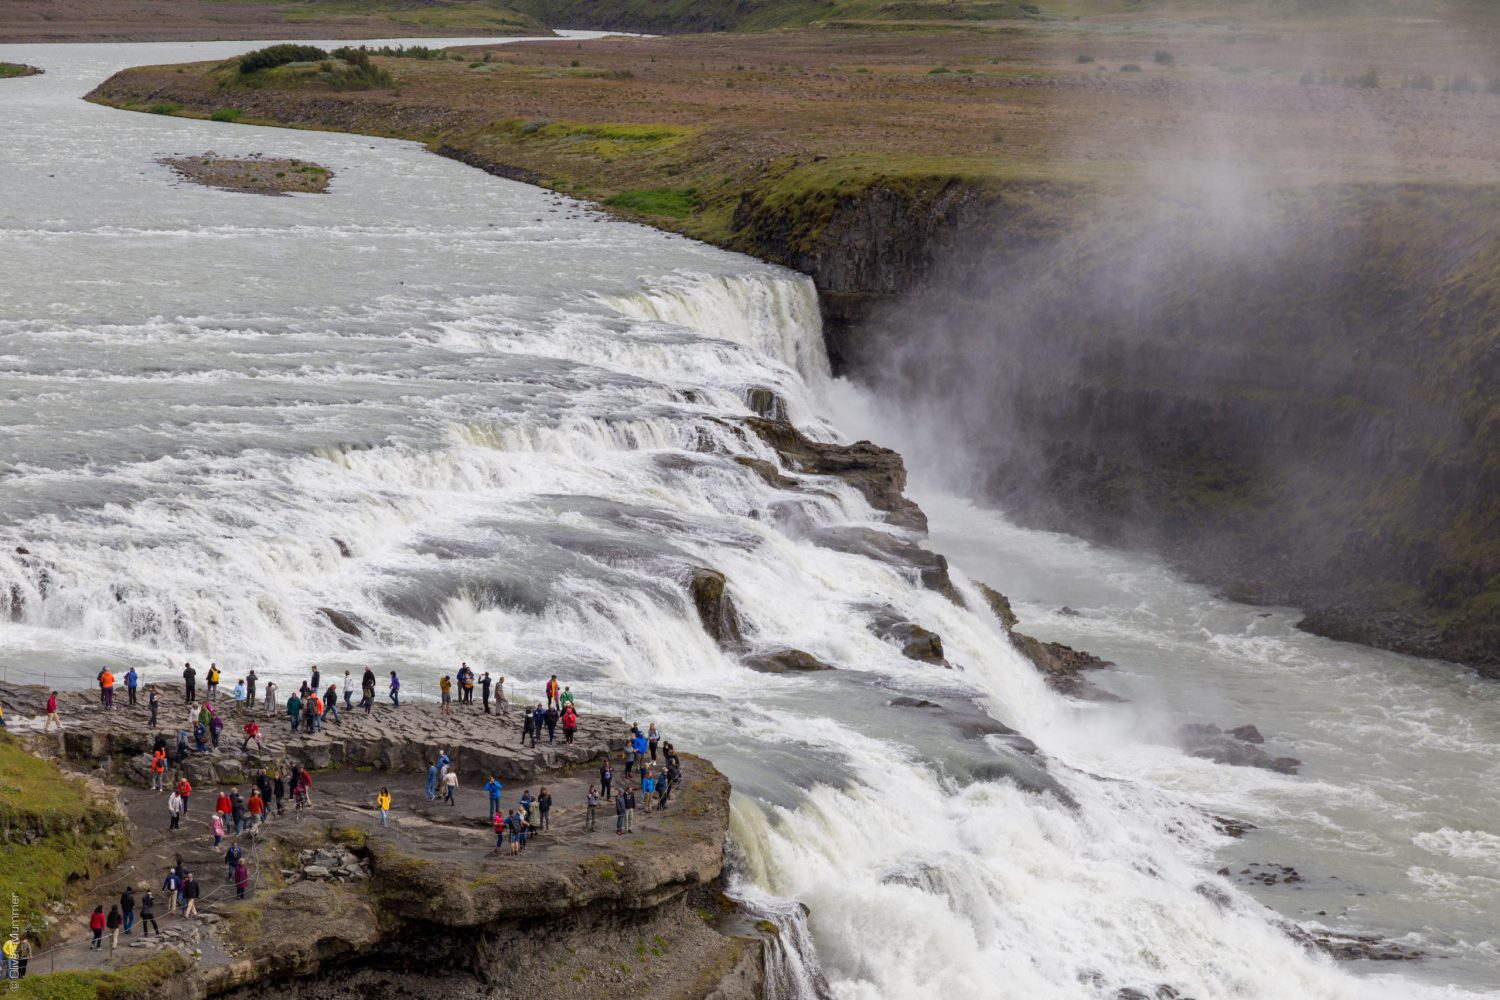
(1369, 80)
(1163, 58)
(1420, 82)
(1083, 59)
(938, 70)
(677, 203)
(279, 55)
(1460, 84)
(164, 109)
(225, 115)
(1130, 68)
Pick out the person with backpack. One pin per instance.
(553, 691)
(331, 705)
(294, 710)
(466, 679)
(216, 826)
(312, 707)
(172, 886)
(96, 924)
(606, 777)
(132, 679)
(213, 679)
(383, 803)
(127, 909)
(513, 827)
(549, 717)
(250, 680)
(528, 727)
(148, 915)
(592, 811)
(158, 768)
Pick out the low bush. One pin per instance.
(225, 115)
(279, 55)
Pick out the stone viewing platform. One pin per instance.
(338, 905)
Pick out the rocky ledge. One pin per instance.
(339, 905)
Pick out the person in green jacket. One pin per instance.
(294, 710)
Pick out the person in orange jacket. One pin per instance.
(107, 686)
(158, 768)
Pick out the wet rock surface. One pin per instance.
(784, 661)
(915, 641)
(714, 606)
(1212, 743)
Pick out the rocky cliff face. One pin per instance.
(1293, 395)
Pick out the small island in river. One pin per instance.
(253, 174)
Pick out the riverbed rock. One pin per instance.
(342, 621)
(1212, 743)
(715, 607)
(878, 473)
(1062, 667)
(916, 642)
(930, 568)
(782, 661)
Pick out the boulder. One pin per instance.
(916, 642)
(1247, 733)
(931, 568)
(1212, 743)
(715, 607)
(781, 661)
(766, 403)
(1000, 605)
(1061, 666)
(343, 622)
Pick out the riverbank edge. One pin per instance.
(868, 235)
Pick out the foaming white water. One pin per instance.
(525, 479)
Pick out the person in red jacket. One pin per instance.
(570, 723)
(252, 732)
(553, 692)
(96, 924)
(224, 805)
(257, 808)
(184, 789)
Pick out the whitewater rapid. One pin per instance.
(488, 425)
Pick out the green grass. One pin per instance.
(52, 830)
(14, 69)
(226, 115)
(674, 203)
(133, 982)
(164, 108)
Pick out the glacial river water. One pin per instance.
(492, 426)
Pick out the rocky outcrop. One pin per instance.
(914, 641)
(1062, 667)
(878, 473)
(715, 607)
(784, 661)
(1237, 747)
(930, 568)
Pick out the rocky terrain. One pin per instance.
(339, 904)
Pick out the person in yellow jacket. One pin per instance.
(446, 687)
(383, 801)
(213, 679)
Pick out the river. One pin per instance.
(490, 425)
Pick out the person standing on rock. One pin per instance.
(466, 678)
(185, 792)
(132, 679)
(158, 768)
(349, 691)
(107, 687)
(394, 692)
(250, 680)
(148, 915)
(331, 704)
(569, 723)
(432, 781)
(216, 826)
(565, 699)
(317, 678)
(383, 803)
(648, 786)
(238, 694)
(513, 825)
(174, 809)
(252, 732)
(606, 778)
(52, 718)
(270, 707)
(450, 788)
(255, 809)
(189, 683)
(279, 787)
(550, 718)
(544, 807)
(500, 694)
(629, 810)
(190, 896)
(592, 810)
(294, 710)
(213, 680)
(619, 815)
(653, 737)
(153, 702)
(445, 689)
(215, 728)
(232, 859)
(553, 691)
(241, 879)
(528, 727)
(484, 691)
(493, 787)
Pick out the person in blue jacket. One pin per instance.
(432, 780)
(493, 787)
(132, 681)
